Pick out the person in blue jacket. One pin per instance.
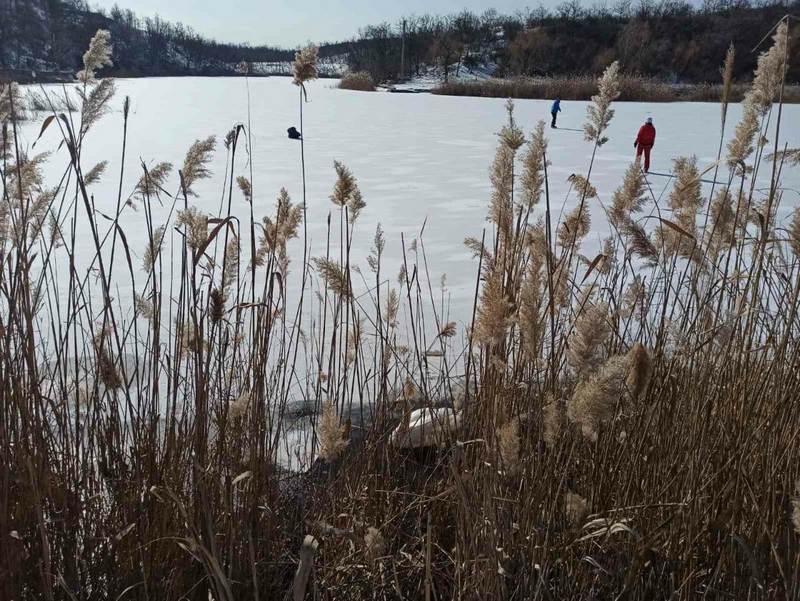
(555, 110)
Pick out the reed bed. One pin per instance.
(623, 426)
(581, 87)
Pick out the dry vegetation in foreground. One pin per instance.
(632, 88)
(623, 426)
(361, 81)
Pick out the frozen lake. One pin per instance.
(417, 157)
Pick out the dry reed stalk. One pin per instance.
(332, 439)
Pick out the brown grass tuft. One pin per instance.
(360, 81)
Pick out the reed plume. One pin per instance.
(196, 226)
(609, 260)
(511, 135)
(238, 408)
(334, 276)
(599, 113)
(106, 369)
(448, 330)
(11, 110)
(723, 227)
(502, 179)
(727, 81)
(345, 185)
(153, 248)
(276, 234)
(685, 200)
(768, 76)
(553, 420)
(144, 307)
(356, 205)
(791, 156)
(640, 243)
(574, 228)
(595, 400)
(633, 296)
(532, 179)
(97, 56)
(794, 232)
(245, 187)
(587, 339)
(576, 508)
(95, 173)
(582, 186)
(770, 70)
(686, 197)
(530, 308)
(629, 198)
(508, 444)
(639, 369)
(216, 301)
(494, 312)
(392, 306)
(95, 103)
(25, 177)
(346, 191)
(374, 545)
(195, 165)
(5, 220)
(304, 66)
(231, 267)
(153, 180)
(331, 434)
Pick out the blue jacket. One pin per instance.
(556, 107)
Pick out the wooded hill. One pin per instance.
(670, 40)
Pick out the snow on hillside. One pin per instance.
(432, 77)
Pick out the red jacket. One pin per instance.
(647, 135)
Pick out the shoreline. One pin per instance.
(633, 89)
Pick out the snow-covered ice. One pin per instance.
(419, 158)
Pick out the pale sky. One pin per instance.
(289, 23)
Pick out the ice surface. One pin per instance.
(419, 159)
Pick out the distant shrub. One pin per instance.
(360, 80)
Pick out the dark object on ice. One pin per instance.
(294, 134)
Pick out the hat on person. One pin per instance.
(649, 120)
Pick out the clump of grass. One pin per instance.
(360, 81)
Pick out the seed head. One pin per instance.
(304, 67)
(97, 56)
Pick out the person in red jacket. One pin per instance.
(645, 141)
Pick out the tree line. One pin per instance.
(51, 36)
(666, 39)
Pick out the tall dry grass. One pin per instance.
(582, 87)
(623, 426)
(360, 81)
